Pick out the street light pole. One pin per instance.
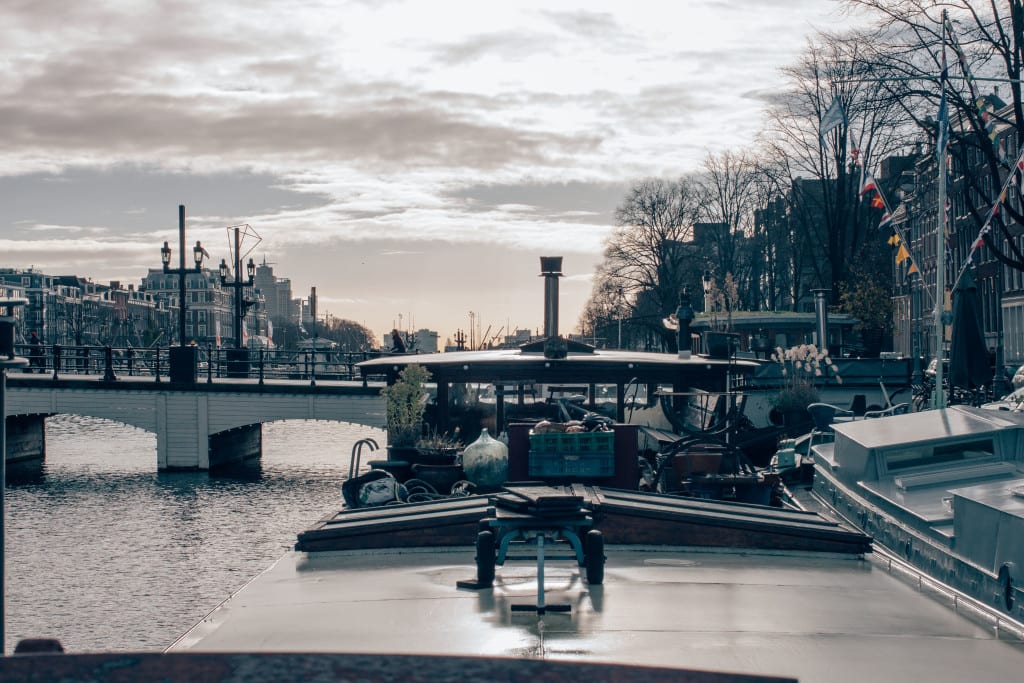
(165, 256)
(238, 285)
(618, 310)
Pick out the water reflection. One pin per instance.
(107, 554)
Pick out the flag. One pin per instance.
(912, 269)
(833, 117)
(216, 327)
(270, 333)
(877, 202)
(869, 184)
(886, 219)
(902, 255)
(900, 214)
(942, 135)
(894, 240)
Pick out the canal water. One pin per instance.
(106, 554)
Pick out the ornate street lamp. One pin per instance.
(183, 358)
(197, 255)
(238, 284)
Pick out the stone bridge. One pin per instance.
(198, 426)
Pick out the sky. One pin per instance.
(411, 160)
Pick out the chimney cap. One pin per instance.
(551, 265)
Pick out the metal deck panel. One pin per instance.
(817, 618)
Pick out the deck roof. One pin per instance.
(815, 618)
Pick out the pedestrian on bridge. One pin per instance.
(35, 354)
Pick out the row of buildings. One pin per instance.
(910, 185)
(74, 311)
(1000, 287)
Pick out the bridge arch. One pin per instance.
(202, 426)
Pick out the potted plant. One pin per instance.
(406, 402)
(801, 366)
(439, 449)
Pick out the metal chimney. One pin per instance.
(551, 270)
(821, 317)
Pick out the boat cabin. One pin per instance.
(955, 475)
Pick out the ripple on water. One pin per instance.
(106, 554)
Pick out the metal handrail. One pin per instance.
(110, 362)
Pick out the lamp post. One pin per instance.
(706, 282)
(183, 359)
(238, 284)
(618, 311)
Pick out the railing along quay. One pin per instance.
(109, 363)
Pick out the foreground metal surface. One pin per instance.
(814, 618)
(335, 668)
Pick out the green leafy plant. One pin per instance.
(802, 366)
(406, 403)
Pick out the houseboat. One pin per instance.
(941, 489)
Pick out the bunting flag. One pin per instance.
(869, 184)
(877, 202)
(894, 240)
(886, 220)
(834, 117)
(913, 269)
(902, 254)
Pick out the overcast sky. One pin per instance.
(409, 159)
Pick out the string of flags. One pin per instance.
(979, 240)
(892, 219)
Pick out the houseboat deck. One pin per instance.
(813, 617)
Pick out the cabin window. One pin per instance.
(918, 456)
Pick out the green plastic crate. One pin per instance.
(582, 454)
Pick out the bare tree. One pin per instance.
(650, 255)
(728, 192)
(983, 40)
(825, 171)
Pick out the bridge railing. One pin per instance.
(212, 363)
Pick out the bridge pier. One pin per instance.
(236, 446)
(26, 439)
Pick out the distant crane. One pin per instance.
(483, 338)
(495, 337)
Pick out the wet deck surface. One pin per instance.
(815, 618)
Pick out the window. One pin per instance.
(935, 454)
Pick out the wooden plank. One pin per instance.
(386, 511)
